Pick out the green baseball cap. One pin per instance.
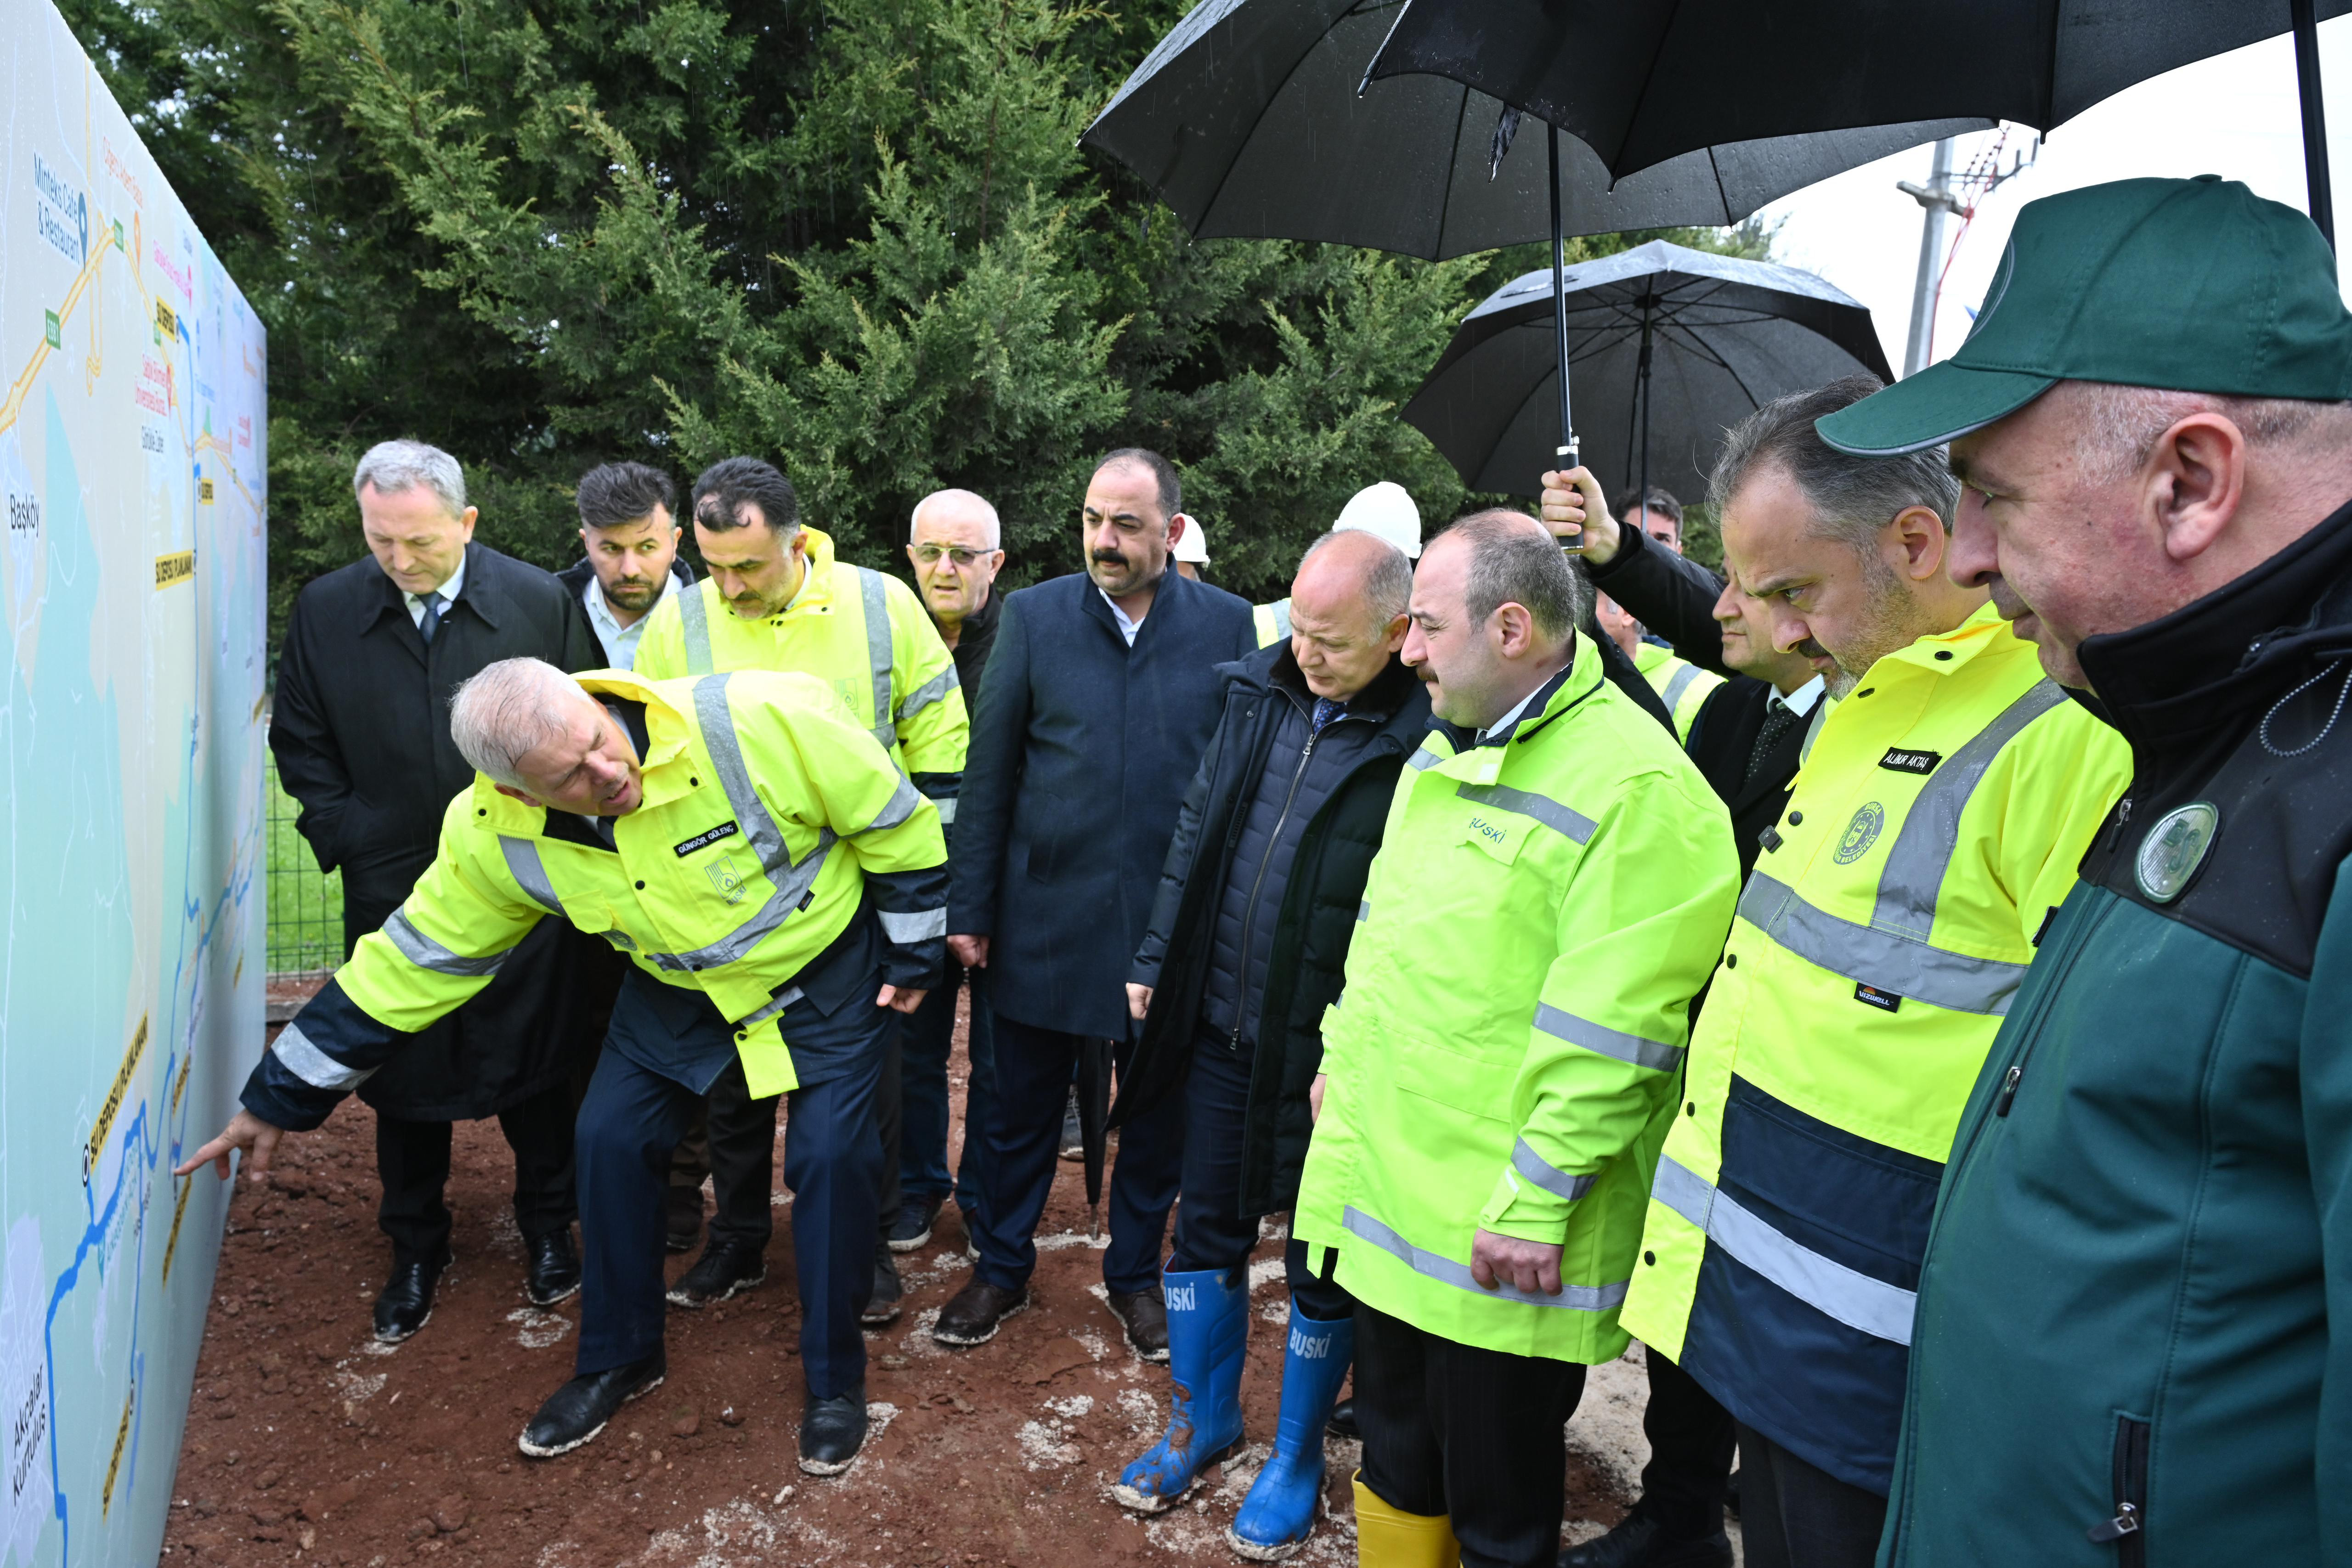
(2187, 285)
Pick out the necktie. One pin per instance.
(431, 622)
(1779, 720)
(1325, 710)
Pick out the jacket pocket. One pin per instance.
(1464, 1084)
(2127, 1526)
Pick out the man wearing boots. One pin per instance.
(1249, 938)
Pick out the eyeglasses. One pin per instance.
(929, 555)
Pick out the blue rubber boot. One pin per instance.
(1208, 1328)
(1279, 1512)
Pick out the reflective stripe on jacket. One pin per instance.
(1681, 685)
(1506, 1049)
(768, 815)
(1936, 825)
(865, 633)
(1271, 622)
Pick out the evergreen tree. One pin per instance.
(856, 237)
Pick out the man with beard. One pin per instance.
(1101, 695)
(1934, 828)
(629, 527)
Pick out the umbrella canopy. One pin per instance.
(1645, 82)
(1252, 118)
(1723, 335)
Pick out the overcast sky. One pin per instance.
(2234, 115)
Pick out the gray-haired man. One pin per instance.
(361, 730)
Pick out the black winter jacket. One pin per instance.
(1307, 960)
(576, 578)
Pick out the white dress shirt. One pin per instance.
(448, 591)
(1128, 625)
(620, 641)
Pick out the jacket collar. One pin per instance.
(1166, 595)
(1570, 686)
(479, 592)
(2213, 664)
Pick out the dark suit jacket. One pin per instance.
(576, 578)
(1675, 597)
(1081, 750)
(360, 729)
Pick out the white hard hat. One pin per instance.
(1193, 544)
(1386, 511)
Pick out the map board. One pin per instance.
(132, 462)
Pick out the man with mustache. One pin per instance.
(629, 527)
(1934, 828)
(1101, 695)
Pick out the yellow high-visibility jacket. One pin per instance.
(862, 632)
(769, 813)
(1271, 622)
(1542, 909)
(1935, 829)
(1681, 685)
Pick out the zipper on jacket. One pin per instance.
(1257, 882)
(2031, 1036)
(2127, 1528)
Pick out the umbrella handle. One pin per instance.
(1566, 453)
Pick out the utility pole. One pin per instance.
(1950, 193)
(1937, 197)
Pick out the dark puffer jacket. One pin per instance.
(1310, 903)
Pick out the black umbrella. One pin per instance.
(1095, 1059)
(1255, 119)
(1686, 342)
(1644, 83)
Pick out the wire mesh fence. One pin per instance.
(306, 904)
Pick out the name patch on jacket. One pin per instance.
(1886, 1001)
(1902, 761)
(704, 840)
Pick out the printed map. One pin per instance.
(131, 590)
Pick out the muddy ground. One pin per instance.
(308, 1442)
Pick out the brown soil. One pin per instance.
(308, 1442)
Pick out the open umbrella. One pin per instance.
(1686, 342)
(1644, 83)
(1255, 119)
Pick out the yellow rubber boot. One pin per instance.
(1389, 1537)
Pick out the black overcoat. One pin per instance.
(1081, 749)
(361, 731)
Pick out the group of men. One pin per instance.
(1896, 982)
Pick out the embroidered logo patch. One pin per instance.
(2174, 849)
(1861, 833)
(726, 878)
(1900, 762)
(704, 840)
(1886, 1001)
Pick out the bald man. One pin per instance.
(1249, 934)
(955, 544)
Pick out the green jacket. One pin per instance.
(2125, 1352)
(1506, 1049)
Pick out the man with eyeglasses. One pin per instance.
(955, 545)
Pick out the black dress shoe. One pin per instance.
(406, 1303)
(1144, 1315)
(724, 1268)
(913, 1226)
(1343, 1420)
(882, 1308)
(554, 1271)
(578, 1411)
(1639, 1541)
(831, 1431)
(973, 1316)
(682, 1218)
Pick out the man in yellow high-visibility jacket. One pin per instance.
(777, 599)
(1934, 827)
(780, 888)
(1552, 884)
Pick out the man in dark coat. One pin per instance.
(361, 730)
(1100, 699)
(1747, 741)
(955, 543)
(1248, 945)
(628, 526)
